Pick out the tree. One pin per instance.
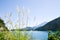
(2, 25)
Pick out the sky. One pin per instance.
(40, 10)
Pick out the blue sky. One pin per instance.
(41, 10)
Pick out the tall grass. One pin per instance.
(16, 34)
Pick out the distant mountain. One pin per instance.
(46, 26)
(15, 30)
(31, 28)
(40, 25)
(22, 29)
(52, 25)
(27, 28)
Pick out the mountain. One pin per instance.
(40, 25)
(27, 28)
(31, 28)
(52, 25)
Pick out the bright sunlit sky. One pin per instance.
(40, 10)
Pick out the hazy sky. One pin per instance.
(40, 10)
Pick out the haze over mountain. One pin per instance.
(35, 27)
(45, 26)
(40, 25)
(31, 28)
(52, 25)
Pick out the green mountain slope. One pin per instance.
(52, 25)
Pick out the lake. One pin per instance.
(38, 35)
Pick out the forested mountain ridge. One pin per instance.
(52, 25)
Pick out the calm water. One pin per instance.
(38, 35)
